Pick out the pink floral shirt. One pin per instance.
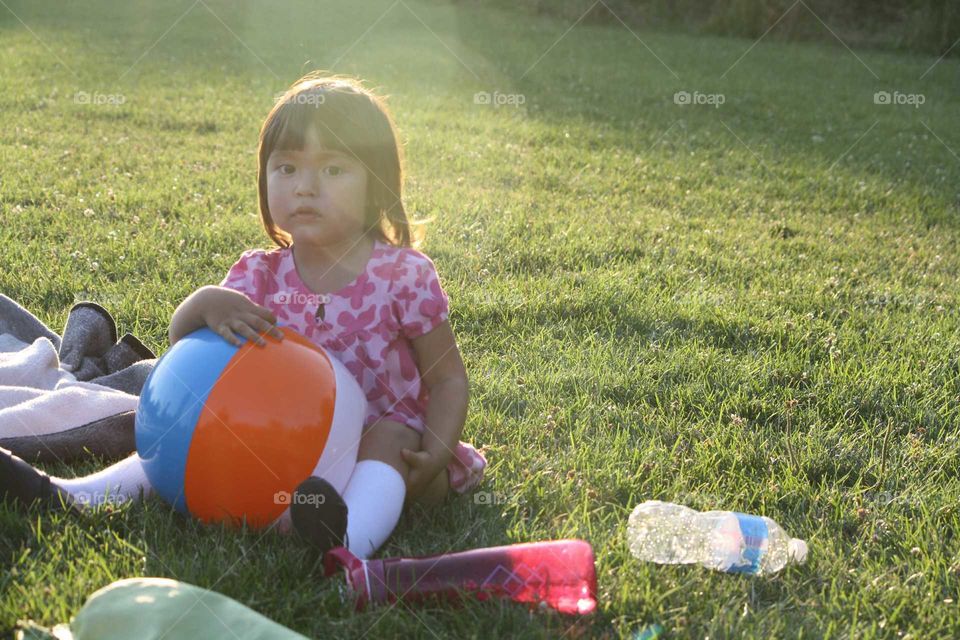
(368, 324)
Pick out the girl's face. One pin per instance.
(317, 195)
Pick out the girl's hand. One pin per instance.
(231, 314)
(424, 467)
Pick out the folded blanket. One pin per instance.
(63, 398)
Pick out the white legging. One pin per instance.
(374, 497)
(118, 483)
(123, 482)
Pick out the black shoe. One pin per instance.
(26, 485)
(319, 514)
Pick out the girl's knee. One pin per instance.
(384, 439)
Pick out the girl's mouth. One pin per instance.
(306, 211)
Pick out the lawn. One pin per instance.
(749, 306)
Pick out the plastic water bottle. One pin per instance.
(667, 533)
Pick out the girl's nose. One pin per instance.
(308, 183)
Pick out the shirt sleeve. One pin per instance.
(247, 276)
(423, 304)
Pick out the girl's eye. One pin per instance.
(286, 169)
(333, 170)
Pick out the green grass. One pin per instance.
(752, 307)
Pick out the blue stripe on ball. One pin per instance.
(170, 404)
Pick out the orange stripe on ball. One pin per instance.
(261, 431)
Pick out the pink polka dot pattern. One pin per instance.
(368, 325)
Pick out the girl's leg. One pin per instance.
(24, 484)
(365, 515)
(374, 495)
(376, 490)
(116, 484)
(435, 492)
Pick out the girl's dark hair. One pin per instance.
(348, 118)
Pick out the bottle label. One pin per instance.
(754, 531)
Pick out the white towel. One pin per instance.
(38, 397)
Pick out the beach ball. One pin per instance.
(226, 433)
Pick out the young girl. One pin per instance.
(344, 275)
